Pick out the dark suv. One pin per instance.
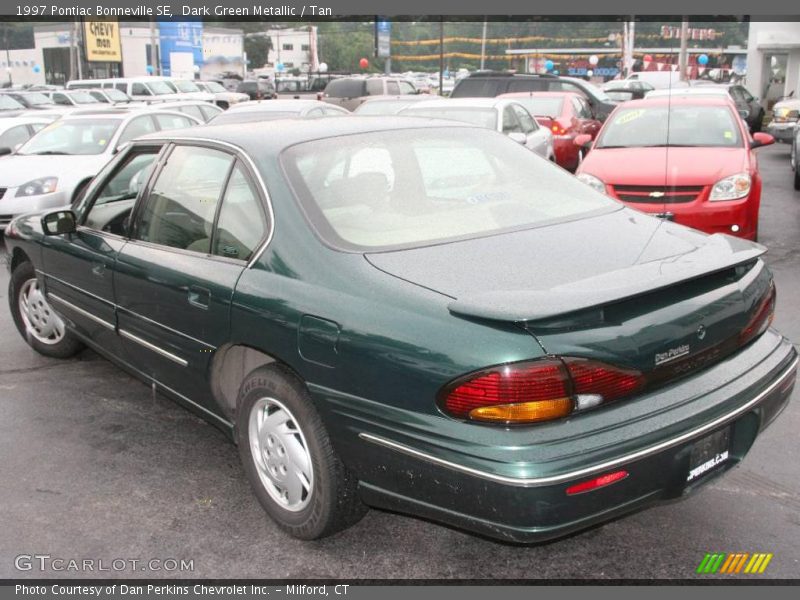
(257, 89)
(487, 84)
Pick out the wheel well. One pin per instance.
(17, 258)
(231, 364)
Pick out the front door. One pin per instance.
(192, 236)
(78, 267)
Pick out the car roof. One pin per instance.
(273, 136)
(9, 122)
(401, 97)
(119, 114)
(465, 103)
(278, 105)
(514, 95)
(681, 100)
(704, 90)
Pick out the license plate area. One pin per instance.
(709, 453)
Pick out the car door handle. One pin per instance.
(199, 297)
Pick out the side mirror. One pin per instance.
(744, 113)
(518, 137)
(761, 139)
(5, 150)
(584, 140)
(59, 222)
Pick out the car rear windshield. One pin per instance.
(345, 88)
(542, 107)
(36, 99)
(482, 117)
(81, 136)
(186, 87)
(659, 126)
(414, 187)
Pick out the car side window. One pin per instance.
(193, 110)
(241, 224)
(210, 111)
(138, 126)
(737, 94)
(582, 110)
(140, 89)
(510, 122)
(179, 210)
(393, 88)
(525, 120)
(114, 201)
(166, 121)
(15, 135)
(407, 88)
(98, 96)
(748, 97)
(61, 99)
(374, 87)
(123, 87)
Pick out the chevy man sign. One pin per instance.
(102, 41)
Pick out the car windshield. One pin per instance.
(542, 107)
(412, 187)
(79, 136)
(250, 116)
(8, 103)
(384, 107)
(186, 86)
(596, 91)
(116, 95)
(482, 117)
(214, 87)
(159, 88)
(655, 126)
(83, 98)
(37, 99)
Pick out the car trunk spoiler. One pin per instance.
(721, 252)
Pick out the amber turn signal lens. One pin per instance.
(523, 412)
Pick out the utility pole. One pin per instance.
(441, 56)
(78, 57)
(154, 53)
(8, 54)
(483, 46)
(683, 61)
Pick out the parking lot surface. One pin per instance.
(92, 466)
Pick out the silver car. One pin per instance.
(506, 116)
(222, 97)
(53, 167)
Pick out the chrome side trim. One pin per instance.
(162, 326)
(82, 312)
(75, 287)
(542, 481)
(240, 152)
(134, 338)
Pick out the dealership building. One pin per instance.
(184, 49)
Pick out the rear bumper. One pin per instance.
(511, 484)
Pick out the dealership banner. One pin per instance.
(102, 41)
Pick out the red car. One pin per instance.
(567, 115)
(689, 159)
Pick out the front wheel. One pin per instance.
(289, 460)
(35, 319)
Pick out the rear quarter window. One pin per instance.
(478, 88)
(345, 88)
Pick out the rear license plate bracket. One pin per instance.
(709, 453)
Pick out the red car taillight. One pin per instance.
(557, 129)
(762, 318)
(538, 390)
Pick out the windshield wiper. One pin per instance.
(47, 153)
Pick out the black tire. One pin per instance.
(66, 347)
(333, 503)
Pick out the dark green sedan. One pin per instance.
(412, 314)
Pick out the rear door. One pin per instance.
(192, 235)
(537, 139)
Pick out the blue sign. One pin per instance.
(180, 36)
(597, 71)
(383, 38)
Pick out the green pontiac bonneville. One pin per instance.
(412, 314)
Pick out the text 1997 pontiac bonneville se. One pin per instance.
(412, 314)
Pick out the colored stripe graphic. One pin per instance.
(734, 563)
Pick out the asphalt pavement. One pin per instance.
(92, 466)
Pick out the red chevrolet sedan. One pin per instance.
(567, 115)
(688, 159)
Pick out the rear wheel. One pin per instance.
(289, 460)
(35, 319)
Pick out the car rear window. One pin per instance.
(414, 187)
(345, 88)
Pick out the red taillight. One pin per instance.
(539, 390)
(597, 482)
(762, 318)
(558, 129)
